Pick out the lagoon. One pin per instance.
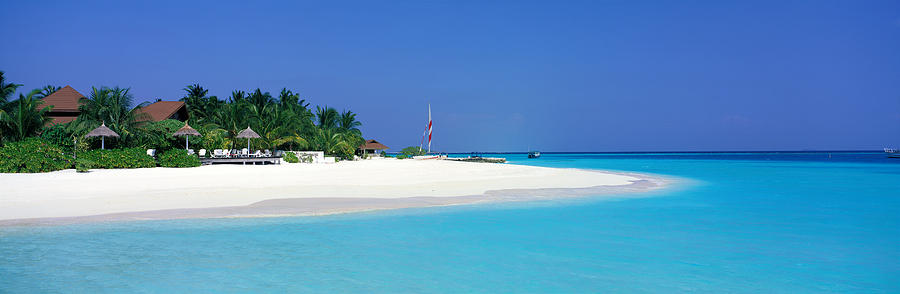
(737, 222)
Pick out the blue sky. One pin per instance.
(503, 75)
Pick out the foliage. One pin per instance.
(290, 157)
(83, 165)
(158, 135)
(402, 156)
(411, 151)
(112, 106)
(23, 117)
(60, 135)
(119, 158)
(178, 158)
(33, 155)
(6, 90)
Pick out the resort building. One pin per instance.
(65, 105)
(163, 110)
(372, 147)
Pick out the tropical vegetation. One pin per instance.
(178, 158)
(284, 121)
(33, 155)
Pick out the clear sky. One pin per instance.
(502, 75)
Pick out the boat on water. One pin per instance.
(892, 153)
(534, 154)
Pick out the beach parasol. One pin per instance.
(186, 131)
(102, 131)
(248, 133)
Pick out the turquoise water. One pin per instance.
(744, 223)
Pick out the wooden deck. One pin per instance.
(241, 160)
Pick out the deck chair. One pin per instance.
(202, 153)
(151, 152)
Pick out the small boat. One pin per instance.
(892, 153)
(534, 154)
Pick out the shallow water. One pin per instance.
(747, 223)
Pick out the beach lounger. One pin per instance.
(202, 153)
(218, 153)
(267, 153)
(258, 153)
(151, 152)
(190, 151)
(245, 152)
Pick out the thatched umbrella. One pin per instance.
(186, 131)
(248, 133)
(102, 131)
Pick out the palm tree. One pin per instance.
(326, 117)
(112, 106)
(348, 123)
(6, 90)
(47, 90)
(200, 107)
(25, 117)
(332, 142)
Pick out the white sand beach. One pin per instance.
(290, 189)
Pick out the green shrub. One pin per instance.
(119, 158)
(33, 155)
(83, 165)
(178, 158)
(402, 156)
(290, 157)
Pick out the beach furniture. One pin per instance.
(151, 152)
(190, 151)
(258, 153)
(218, 153)
(267, 153)
(245, 152)
(202, 153)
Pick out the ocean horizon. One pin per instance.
(776, 223)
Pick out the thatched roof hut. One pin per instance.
(186, 130)
(372, 145)
(102, 131)
(247, 133)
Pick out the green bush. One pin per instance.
(33, 155)
(402, 156)
(119, 158)
(290, 157)
(178, 158)
(83, 165)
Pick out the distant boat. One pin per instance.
(892, 153)
(534, 154)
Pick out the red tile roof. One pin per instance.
(63, 100)
(162, 110)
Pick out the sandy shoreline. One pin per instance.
(290, 189)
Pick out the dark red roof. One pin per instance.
(63, 100)
(61, 119)
(162, 110)
(372, 144)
